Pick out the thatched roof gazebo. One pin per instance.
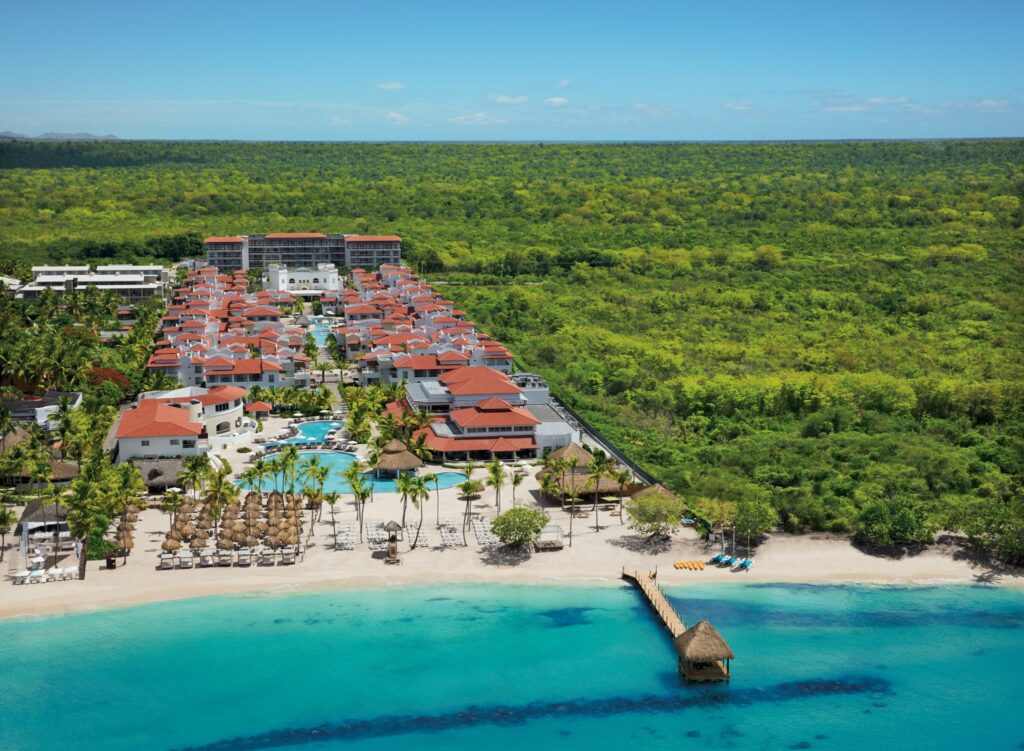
(397, 458)
(703, 654)
(583, 457)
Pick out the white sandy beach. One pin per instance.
(595, 557)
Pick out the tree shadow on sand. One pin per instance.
(502, 555)
(650, 545)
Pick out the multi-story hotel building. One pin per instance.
(302, 250)
(133, 283)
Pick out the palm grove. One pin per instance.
(833, 330)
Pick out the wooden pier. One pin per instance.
(703, 653)
(647, 582)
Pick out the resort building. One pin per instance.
(41, 409)
(399, 330)
(302, 250)
(133, 283)
(181, 422)
(217, 333)
(303, 282)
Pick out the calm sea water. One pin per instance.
(471, 667)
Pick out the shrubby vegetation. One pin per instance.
(816, 327)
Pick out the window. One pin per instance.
(145, 443)
(222, 407)
(175, 441)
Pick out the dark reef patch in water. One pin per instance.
(563, 617)
(475, 716)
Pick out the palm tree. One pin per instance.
(420, 493)
(6, 426)
(261, 469)
(63, 419)
(362, 492)
(570, 464)
(495, 479)
(601, 467)
(312, 467)
(171, 503)
(331, 499)
(220, 493)
(418, 446)
(128, 484)
(404, 485)
(467, 490)
(623, 477)
(548, 485)
(428, 478)
(195, 471)
(516, 479)
(7, 520)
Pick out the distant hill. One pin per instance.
(10, 136)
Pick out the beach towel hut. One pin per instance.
(703, 654)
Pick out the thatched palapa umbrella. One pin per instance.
(397, 458)
(170, 545)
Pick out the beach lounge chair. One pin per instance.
(185, 561)
(37, 576)
(225, 558)
(267, 558)
(746, 564)
(70, 573)
(244, 558)
(727, 561)
(167, 561)
(205, 560)
(287, 556)
(54, 574)
(22, 576)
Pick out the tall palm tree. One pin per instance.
(404, 485)
(420, 494)
(495, 479)
(62, 417)
(219, 494)
(194, 473)
(313, 468)
(569, 465)
(361, 489)
(623, 477)
(428, 478)
(515, 479)
(6, 426)
(468, 490)
(602, 466)
(548, 485)
(7, 521)
(171, 503)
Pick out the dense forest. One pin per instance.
(823, 326)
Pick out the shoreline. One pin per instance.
(246, 586)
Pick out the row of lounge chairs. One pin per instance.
(41, 576)
(482, 531)
(243, 558)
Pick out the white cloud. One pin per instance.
(563, 83)
(478, 118)
(339, 120)
(506, 99)
(982, 105)
(557, 101)
(853, 104)
(397, 118)
(741, 106)
(391, 85)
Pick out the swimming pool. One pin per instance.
(321, 330)
(338, 461)
(310, 432)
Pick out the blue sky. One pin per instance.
(314, 69)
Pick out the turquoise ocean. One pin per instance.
(521, 667)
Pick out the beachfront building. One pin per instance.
(181, 422)
(133, 283)
(303, 282)
(217, 333)
(41, 409)
(302, 250)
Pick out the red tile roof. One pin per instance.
(257, 407)
(504, 416)
(222, 240)
(296, 235)
(371, 238)
(153, 418)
